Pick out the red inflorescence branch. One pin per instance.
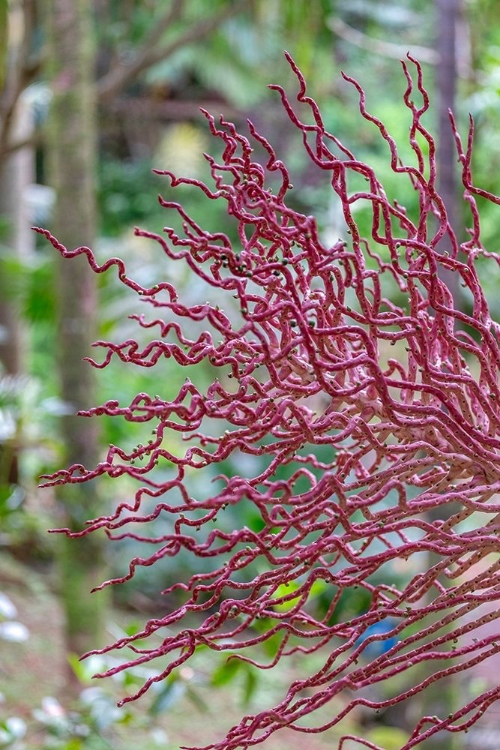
(367, 462)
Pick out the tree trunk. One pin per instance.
(446, 80)
(446, 84)
(72, 171)
(16, 174)
(441, 697)
(16, 237)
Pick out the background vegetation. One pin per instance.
(93, 96)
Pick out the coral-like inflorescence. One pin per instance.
(370, 459)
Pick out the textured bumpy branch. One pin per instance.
(375, 472)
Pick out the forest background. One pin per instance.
(93, 96)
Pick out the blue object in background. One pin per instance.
(378, 647)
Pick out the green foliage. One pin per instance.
(233, 64)
(38, 290)
(4, 224)
(389, 738)
(125, 195)
(27, 441)
(12, 731)
(248, 677)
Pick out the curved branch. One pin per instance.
(117, 78)
(379, 47)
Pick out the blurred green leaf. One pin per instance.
(249, 684)
(226, 672)
(389, 738)
(39, 299)
(79, 668)
(5, 222)
(286, 589)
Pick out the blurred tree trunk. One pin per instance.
(71, 142)
(447, 12)
(71, 152)
(16, 173)
(446, 80)
(441, 697)
(17, 239)
(3, 42)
